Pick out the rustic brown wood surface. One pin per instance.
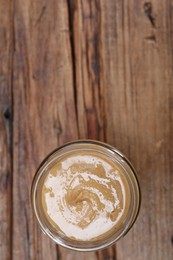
(86, 69)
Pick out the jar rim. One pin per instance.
(66, 242)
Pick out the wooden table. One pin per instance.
(99, 69)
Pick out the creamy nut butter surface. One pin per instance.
(85, 196)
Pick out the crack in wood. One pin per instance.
(7, 113)
(96, 62)
(148, 9)
(172, 240)
(70, 5)
(151, 39)
(40, 15)
(58, 253)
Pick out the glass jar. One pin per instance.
(112, 155)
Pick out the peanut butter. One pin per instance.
(85, 196)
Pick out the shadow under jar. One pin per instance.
(85, 195)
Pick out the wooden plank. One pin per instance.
(43, 101)
(90, 90)
(6, 49)
(90, 84)
(88, 63)
(137, 60)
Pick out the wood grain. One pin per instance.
(43, 100)
(86, 69)
(6, 130)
